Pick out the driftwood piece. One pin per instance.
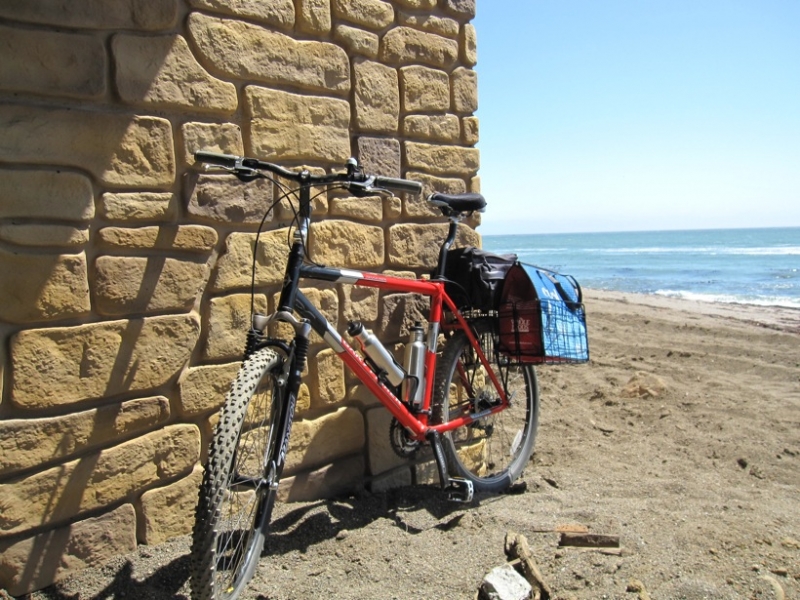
(516, 548)
(588, 540)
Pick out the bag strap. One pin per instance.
(562, 292)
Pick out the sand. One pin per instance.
(681, 437)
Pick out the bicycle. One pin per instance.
(476, 409)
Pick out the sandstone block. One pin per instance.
(464, 9)
(61, 365)
(289, 126)
(162, 71)
(47, 194)
(381, 457)
(213, 137)
(372, 14)
(46, 62)
(138, 206)
(234, 267)
(133, 284)
(203, 389)
(326, 300)
(428, 22)
(379, 156)
(393, 479)
(392, 208)
(469, 126)
(61, 493)
(274, 12)
(442, 128)
(357, 41)
(417, 246)
(43, 287)
(120, 150)
(425, 89)
(26, 567)
(255, 53)
(148, 15)
(347, 244)
(377, 97)
(405, 45)
(26, 443)
(366, 209)
(314, 16)
(320, 441)
(168, 511)
(418, 4)
(228, 323)
(44, 235)
(189, 238)
(399, 312)
(221, 198)
(360, 303)
(343, 476)
(418, 206)
(327, 375)
(469, 46)
(465, 90)
(442, 160)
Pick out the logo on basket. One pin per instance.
(523, 325)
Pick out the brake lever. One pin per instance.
(363, 189)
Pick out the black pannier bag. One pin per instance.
(541, 317)
(475, 277)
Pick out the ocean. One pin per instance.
(741, 266)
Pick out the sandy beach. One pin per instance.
(681, 437)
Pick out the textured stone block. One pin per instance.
(225, 138)
(417, 245)
(357, 41)
(162, 71)
(327, 375)
(418, 206)
(428, 22)
(464, 9)
(234, 267)
(320, 441)
(404, 45)
(120, 150)
(43, 287)
(314, 16)
(365, 209)
(47, 236)
(425, 89)
(45, 194)
(465, 90)
(228, 323)
(372, 14)
(46, 62)
(470, 130)
(274, 12)
(61, 365)
(417, 4)
(399, 312)
(342, 477)
(225, 199)
(393, 479)
(381, 457)
(377, 97)
(58, 494)
(26, 443)
(442, 128)
(442, 160)
(168, 511)
(188, 238)
(149, 15)
(203, 389)
(28, 564)
(289, 126)
(379, 156)
(138, 206)
(326, 300)
(255, 53)
(360, 303)
(133, 284)
(347, 244)
(469, 46)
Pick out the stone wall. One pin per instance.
(125, 270)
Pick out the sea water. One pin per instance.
(746, 266)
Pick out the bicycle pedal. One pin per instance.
(460, 490)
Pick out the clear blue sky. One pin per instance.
(614, 115)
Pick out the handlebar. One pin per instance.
(353, 177)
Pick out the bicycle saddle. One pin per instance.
(458, 203)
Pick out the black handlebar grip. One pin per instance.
(215, 158)
(398, 185)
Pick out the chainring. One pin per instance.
(401, 443)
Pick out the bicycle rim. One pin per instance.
(492, 451)
(235, 502)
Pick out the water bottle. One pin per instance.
(414, 361)
(373, 348)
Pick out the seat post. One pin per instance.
(451, 237)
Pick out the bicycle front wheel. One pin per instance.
(493, 450)
(234, 505)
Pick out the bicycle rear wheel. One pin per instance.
(493, 450)
(235, 502)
